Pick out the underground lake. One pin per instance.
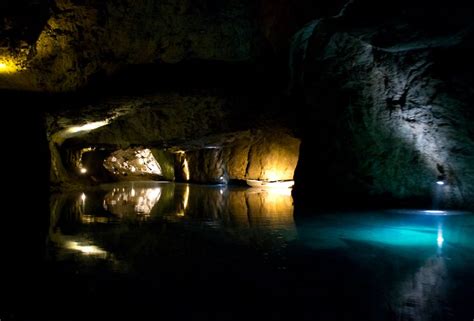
(237, 160)
(187, 251)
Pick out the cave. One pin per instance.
(203, 159)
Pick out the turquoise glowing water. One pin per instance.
(175, 251)
(388, 228)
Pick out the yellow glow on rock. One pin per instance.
(87, 127)
(272, 175)
(8, 66)
(86, 249)
(186, 170)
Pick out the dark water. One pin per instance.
(152, 251)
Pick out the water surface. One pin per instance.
(178, 251)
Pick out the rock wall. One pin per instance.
(389, 110)
(262, 155)
(79, 40)
(57, 173)
(265, 155)
(206, 166)
(162, 118)
(166, 161)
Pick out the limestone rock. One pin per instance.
(81, 39)
(390, 108)
(262, 155)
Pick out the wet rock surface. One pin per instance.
(393, 106)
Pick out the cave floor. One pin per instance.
(150, 251)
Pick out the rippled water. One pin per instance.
(182, 251)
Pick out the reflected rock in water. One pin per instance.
(91, 223)
(261, 209)
(423, 295)
(132, 201)
(85, 248)
(222, 205)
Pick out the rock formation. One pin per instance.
(389, 105)
(380, 95)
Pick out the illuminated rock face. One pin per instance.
(158, 118)
(390, 106)
(262, 155)
(78, 40)
(208, 127)
(136, 163)
(388, 94)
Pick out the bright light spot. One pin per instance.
(83, 170)
(87, 127)
(279, 191)
(437, 212)
(221, 191)
(186, 197)
(266, 184)
(185, 202)
(440, 238)
(85, 249)
(221, 178)
(133, 161)
(186, 169)
(272, 176)
(132, 202)
(440, 182)
(8, 66)
(83, 197)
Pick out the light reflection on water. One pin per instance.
(243, 211)
(409, 263)
(419, 259)
(132, 201)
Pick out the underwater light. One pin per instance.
(83, 170)
(440, 182)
